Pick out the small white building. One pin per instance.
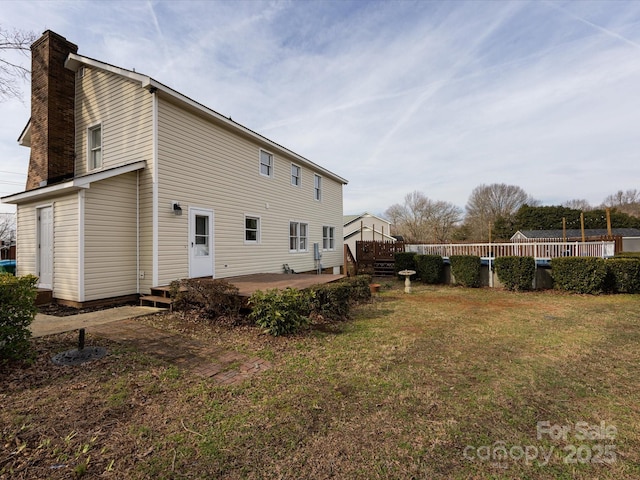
(365, 226)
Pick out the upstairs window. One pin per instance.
(317, 187)
(95, 147)
(251, 229)
(298, 233)
(266, 164)
(295, 175)
(328, 238)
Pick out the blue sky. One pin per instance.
(394, 96)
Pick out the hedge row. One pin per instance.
(516, 273)
(466, 270)
(17, 311)
(623, 275)
(595, 275)
(405, 261)
(211, 298)
(591, 275)
(430, 268)
(281, 312)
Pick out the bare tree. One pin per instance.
(422, 220)
(7, 230)
(11, 70)
(578, 204)
(490, 203)
(626, 202)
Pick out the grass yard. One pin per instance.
(442, 383)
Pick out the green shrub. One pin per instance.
(466, 270)
(579, 274)
(281, 312)
(430, 268)
(360, 291)
(17, 311)
(212, 298)
(623, 275)
(516, 273)
(405, 261)
(332, 300)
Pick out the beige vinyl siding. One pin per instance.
(124, 110)
(203, 165)
(65, 243)
(26, 245)
(65, 247)
(110, 241)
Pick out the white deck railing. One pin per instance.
(539, 250)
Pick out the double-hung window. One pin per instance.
(266, 164)
(328, 238)
(251, 229)
(298, 236)
(317, 187)
(95, 147)
(295, 175)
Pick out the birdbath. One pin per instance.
(407, 279)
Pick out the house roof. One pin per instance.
(576, 233)
(387, 237)
(348, 219)
(83, 181)
(75, 61)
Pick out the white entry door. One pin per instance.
(200, 243)
(45, 247)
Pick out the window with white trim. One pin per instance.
(251, 229)
(317, 187)
(266, 164)
(328, 238)
(298, 236)
(94, 141)
(296, 173)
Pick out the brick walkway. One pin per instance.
(222, 366)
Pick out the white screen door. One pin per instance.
(200, 243)
(45, 247)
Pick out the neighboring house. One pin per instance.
(133, 185)
(365, 227)
(630, 236)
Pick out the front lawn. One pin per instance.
(441, 383)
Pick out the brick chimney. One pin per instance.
(52, 111)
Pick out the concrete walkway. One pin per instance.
(50, 324)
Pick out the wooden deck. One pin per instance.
(247, 284)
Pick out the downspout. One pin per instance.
(81, 286)
(154, 268)
(138, 232)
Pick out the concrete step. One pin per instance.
(44, 296)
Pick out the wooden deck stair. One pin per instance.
(384, 268)
(159, 297)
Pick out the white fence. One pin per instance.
(543, 251)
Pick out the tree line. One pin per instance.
(499, 210)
